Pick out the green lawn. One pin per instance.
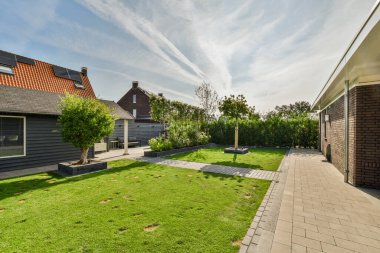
(134, 207)
(263, 159)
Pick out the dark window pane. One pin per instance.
(75, 75)
(25, 60)
(7, 59)
(60, 72)
(11, 136)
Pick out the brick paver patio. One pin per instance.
(311, 209)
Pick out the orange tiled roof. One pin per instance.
(41, 77)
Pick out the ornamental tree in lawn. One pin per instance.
(235, 108)
(83, 122)
(160, 109)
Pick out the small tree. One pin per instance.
(301, 108)
(83, 122)
(208, 99)
(160, 109)
(252, 114)
(235, 108)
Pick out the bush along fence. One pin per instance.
(180, 134)
(273, 132)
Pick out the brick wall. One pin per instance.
(368, 136)
(364, 135)
(142, 105)
(333, 133)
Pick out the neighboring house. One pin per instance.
(349, 108)
(29, 94)
(136, 102)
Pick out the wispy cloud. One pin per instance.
(273, 52)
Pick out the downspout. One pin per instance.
(346, 126)
(320, 129)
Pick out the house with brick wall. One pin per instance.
(30, 91)
(137, 102)
(349, 108)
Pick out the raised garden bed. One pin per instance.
(236, 151)
(150, 153)
(68, 169)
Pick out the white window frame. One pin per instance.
(134, 112)
(134, 98)
(20, 117)
(79, 85)
(6, 73)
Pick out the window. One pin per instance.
(134, 98)
(134, 113)
(79, 85)
(6, 70)
(12, 136)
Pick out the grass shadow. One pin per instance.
(238, 164)
(221, 177)
(17, 186)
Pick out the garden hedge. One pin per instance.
(274, 132)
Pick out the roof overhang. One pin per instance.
(359, 65)
(116, 109)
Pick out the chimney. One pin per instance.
(84, 71)
(160, 94)
(135, 84)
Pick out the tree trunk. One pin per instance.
(236, 137)
(83, 156)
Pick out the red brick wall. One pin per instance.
(335, 133)
(368, 136)
(364, 135)
(41, 77)
(142, 102)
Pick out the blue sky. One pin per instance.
(272, 51)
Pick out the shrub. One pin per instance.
(160, 144)
(186, 133)
(180, 134)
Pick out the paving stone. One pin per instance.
(283, 237)
(280, 248)
(351, 245)
(298, 248)
(309, 243)
(324, 212)
(320, 237)
(299, 231)
(328, 248)
(306, 226)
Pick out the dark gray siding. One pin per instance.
(144, 131)
(44, 145)
(118, 131)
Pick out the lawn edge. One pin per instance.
(251, 238)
